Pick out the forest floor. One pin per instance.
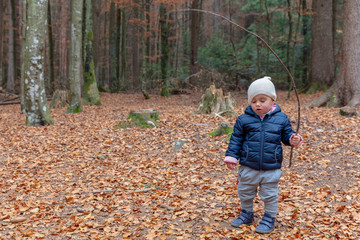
(82, 178)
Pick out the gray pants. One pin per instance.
(267, 182)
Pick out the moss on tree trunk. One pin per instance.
(91, 91)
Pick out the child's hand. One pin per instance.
(230, 166)
(296, 140)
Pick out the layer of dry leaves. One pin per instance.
(83, 179)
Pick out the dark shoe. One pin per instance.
(244, 218)
(267, 224)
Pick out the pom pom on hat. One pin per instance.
(261, 86)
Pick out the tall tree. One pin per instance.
(50, 50)
(11, 76)
(1, 40)
(23, 34)
(216, 8)
(75, 75)
(135, 45)
(124, 83)
(114, 86)
(322, 72)
(147, 64)
(194, 42)
(346, 89)
(290, 34)
(35, 102)
(91, 91)
(164, 30)
(348, 85)
(305, 45)
(63, 49)
(145, 43)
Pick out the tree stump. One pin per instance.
(224, 128)
(59, 99)
(214, 102)
(145, 118)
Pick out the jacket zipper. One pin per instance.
(262, 144)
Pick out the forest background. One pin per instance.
(97, 181)
(157, 46)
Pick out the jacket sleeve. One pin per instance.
(287, 132)
(236, 140)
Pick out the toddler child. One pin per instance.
(256, 142)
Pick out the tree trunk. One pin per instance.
(322, 72)
(194, 41)
(97, 41)
(147, 63)
(305, 46)
(268, 28)
(164, 30)
(91, 91)
(259, 44)
(1, 41)
(23, 35)
(117, 45)
(75, 75)
(135, 47)
(289, 38)
(346, 90)
(10, 83)
(112, 48)
(216, 8)
(63, 46)
(124, 83)
(143, 78)
(35, 102)
(294, 48)
(50, 83)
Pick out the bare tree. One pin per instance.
(75, 75)
(135, 46)
(35, 102)
(164, 31)
(114, 86)
(91, 91)
(195, 27)
(10, 83)
(1, 40)
(322, 72)
(63, 49)
(346, 89)
(124, 82)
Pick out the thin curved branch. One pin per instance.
(272, 51)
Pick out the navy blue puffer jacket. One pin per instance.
(257, 142)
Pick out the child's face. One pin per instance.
(261, 104)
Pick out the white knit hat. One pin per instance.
(261, 86)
